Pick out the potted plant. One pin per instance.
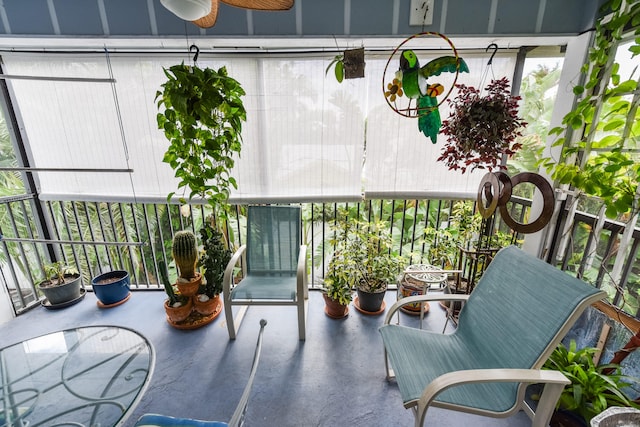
(111, 288)
(185, 255)
(202, 119)
(363, 261)
(348, 64)
(480, 130)
(214, 259)
(338, 286)
(592, 390)
(63, 284)
(374, 263)
(176, 306)
(452, 247)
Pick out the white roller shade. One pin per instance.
(304, 139)
(401, 161)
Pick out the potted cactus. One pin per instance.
(214, 259)
(176, 306)
(185, 255)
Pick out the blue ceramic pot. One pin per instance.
(111, 287)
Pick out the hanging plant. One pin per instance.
(348, 65)
(202, 119)
(481, 129)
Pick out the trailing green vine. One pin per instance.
(202, 119)
(604, 161)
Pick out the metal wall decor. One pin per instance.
(411, 81)
(495, 191)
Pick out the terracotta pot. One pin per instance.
(208, 307)
(191, 287)
(178, 314)
(334, 309)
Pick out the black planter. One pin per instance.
(369, 301)
(64, 293)
(563, 418)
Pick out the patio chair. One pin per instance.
(519, 311)
(273, 266)
(237, 419)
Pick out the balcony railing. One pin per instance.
(102, 236)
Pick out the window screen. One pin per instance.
(307, 137)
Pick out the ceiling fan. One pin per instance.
(204, 13)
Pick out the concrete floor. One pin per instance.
(335, 378)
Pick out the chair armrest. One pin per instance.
(301, 272)
(227, 280)
(238, 415)
(422, 298)
(554, 384)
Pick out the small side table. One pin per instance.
(424, 276)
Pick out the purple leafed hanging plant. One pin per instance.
(481, 129)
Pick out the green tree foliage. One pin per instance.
(10, 182)
(538, 96)
(604, 160)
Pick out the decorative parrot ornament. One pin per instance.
(415, 86)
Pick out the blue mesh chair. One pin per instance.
(273, 266)
(237, 419)
(517, 314)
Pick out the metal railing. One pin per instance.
(101, 236)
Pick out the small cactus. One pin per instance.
(185, 253)
(173, 298)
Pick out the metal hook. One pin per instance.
(195, 57)
(495, 49)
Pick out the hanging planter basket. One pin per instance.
(481, 129)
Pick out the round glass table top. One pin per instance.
(88, 376)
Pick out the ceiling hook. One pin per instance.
(197, 49)
(495, 49)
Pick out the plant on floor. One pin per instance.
(369, 246)
(202, 119)
(214, 259)
(58, 272)
(363, 259)
(62, 283)
(461, 231)
(185, 253)
(338, 284)
(174, 299)
(593, 388)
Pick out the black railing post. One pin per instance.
(11, 118)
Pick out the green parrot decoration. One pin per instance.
(415, 86)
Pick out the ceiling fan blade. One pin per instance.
(261, 4)
(187, 9)
(209, 20)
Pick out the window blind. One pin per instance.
(307, 137)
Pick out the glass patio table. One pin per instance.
(87, 376)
